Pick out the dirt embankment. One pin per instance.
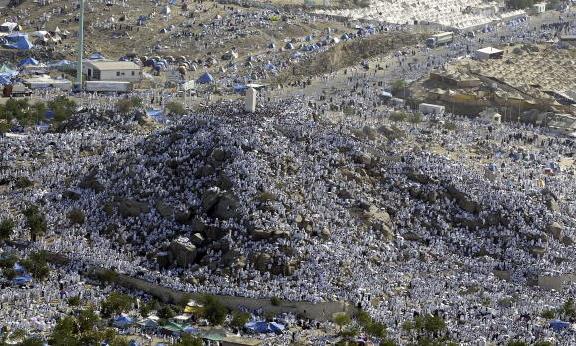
(348, 54)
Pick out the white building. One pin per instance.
(125, 71)
(539, 8)
(250, 101)
(489, 53)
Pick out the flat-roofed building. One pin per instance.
(126, 71)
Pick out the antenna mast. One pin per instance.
(80, 46)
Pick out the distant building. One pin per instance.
(8, 27)
(489, 53)
(539, 8)
(125, 71)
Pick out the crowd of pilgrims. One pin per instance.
(434, 260)
(305, 166)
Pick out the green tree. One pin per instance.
(116, 303)
(166, 312)
(516, 343)
(542, 343)
(76, 217)
(36, 222)
(38, 111)
(175, 108)
(136, 102)
(189, 340)
(87, 320)
(18, 334)
(32, 341)
(17, 109)
(22, 182)
(399, 88)
(124, 106)
(275, 301)
(63, 108)
(64, 333)
(74, 301)
(4, 126)
(434, 324)
(376, 329)
(569, 309)
(342, 319)
(146, 309)
(214, 310)
(37, 265)
(548, 314)
(387, 342)
(6, 229)
(398, 116)
(239, 319)
(363, 318)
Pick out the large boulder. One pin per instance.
(226, 208)
(182, 252)
(262, 261)
(556, 230)
(263, 234)
(220, 205)
(164, 209)
(90, 182)
(552, 205)
(463, 200)
(379, 220)
(130, 208)
(197, 239)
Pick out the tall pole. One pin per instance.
(80, 46)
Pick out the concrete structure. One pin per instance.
(125, 71)
(108, 86)
(489, 53)
(319, 311)
(539, 8)
(239, 341)
(46, 82)
(250, 105)
(491, 116)
(426, 108)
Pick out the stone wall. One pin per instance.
(317, 311)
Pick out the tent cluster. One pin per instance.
(263, 327)
(18, 41)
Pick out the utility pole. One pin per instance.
(80, 47)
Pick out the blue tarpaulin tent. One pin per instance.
(240, 88)
(96, 56)
(4, 69)
(206, 78)
(156, 114)
(264, 327)
(558, 325)
(18, 268)
(122, 321)
(22, 280)
(28, 61)
(61, 63)
(18, 41)
(5, 79)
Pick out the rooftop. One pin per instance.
(489, 50)
(113, 65)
